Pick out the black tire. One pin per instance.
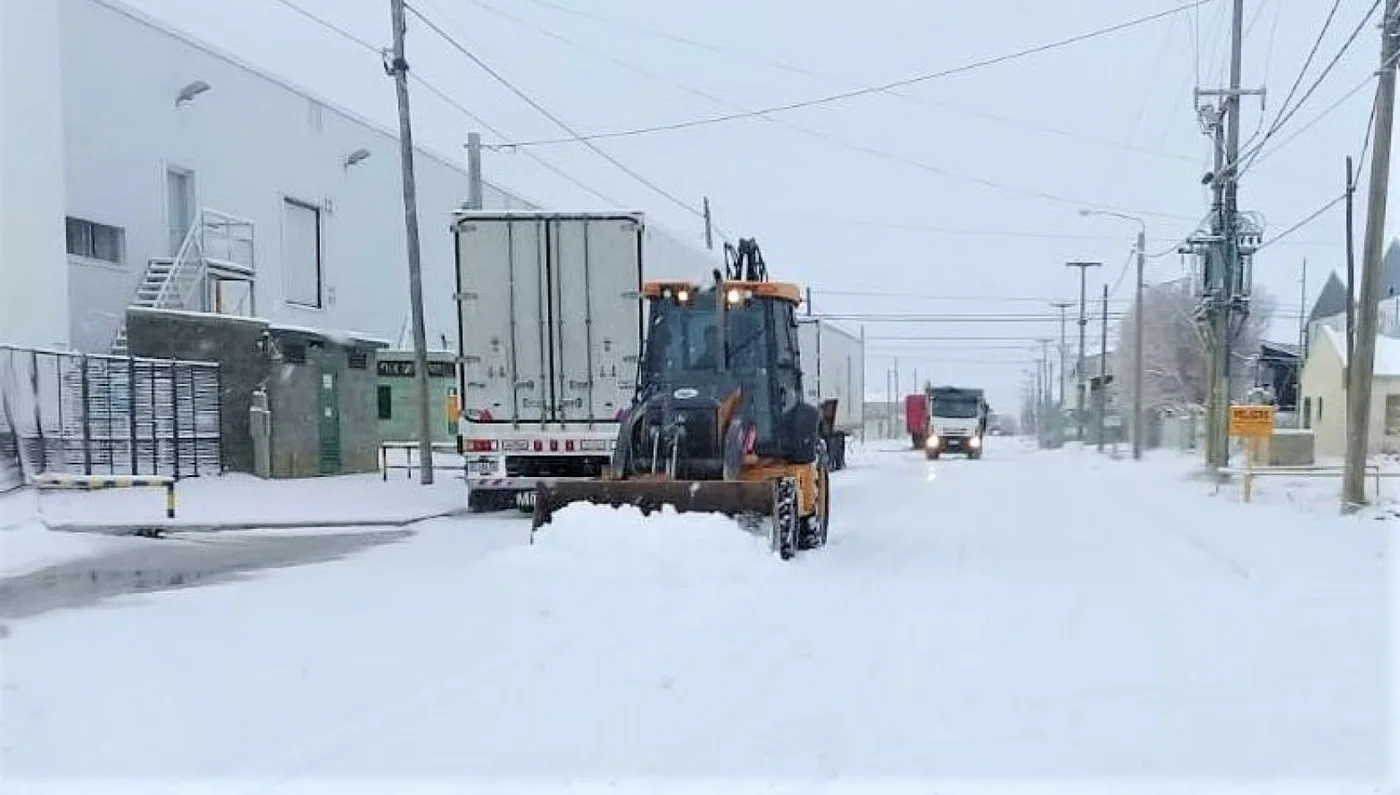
(489, 501)
(932, 455)
(817, 526)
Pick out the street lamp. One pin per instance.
(1137, 323)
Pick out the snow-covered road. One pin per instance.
(1047, 615)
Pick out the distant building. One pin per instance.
(1324, 391)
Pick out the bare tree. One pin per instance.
(1175, 350)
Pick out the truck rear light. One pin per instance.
(568, 445)
(553, 445)
(481, 445)
(539, 446)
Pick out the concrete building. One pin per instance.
(1324, 394)
(182, 178)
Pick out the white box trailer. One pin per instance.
(549, 327)
(833, 366)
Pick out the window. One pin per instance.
(1392, 415)
(386, 402)
(301, 253)
(96, 241)
(1307, 412)
(1319, 408)
(358, 360)
(294, 353)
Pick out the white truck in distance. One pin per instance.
(549, 333)
(833, 368)
(957, 421)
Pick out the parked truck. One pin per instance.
(550, 324)
(957, 421)
(833, 378)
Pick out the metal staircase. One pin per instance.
(218, 249)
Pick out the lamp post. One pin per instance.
(1137, 323)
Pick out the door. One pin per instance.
(594, 273)
(330, 425)
(180, 205)
(503, 319)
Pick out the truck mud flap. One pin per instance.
(727, 497)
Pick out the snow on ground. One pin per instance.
(27, 543)
(1033, 615)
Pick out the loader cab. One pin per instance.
(722, 339)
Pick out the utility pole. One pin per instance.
(1351, 265)
(1361, 368)
(1103, 368)
(1303, 343)
(474, 184)
(709, 226)
(397, 67)
(1063, 351)
(1046, 372)
(1083, 267)
(1139, 366)
(1226, 289)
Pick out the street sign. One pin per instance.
(1252, 421)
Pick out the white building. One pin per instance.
(166, 156)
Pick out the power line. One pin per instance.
(1043, 300)
(1019, 124)
(1309, 219)
(563, 125)
(444, 96)
(966, 318)
(868, 90)
(1285, 116)
(870, 151)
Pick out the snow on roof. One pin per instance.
(339, 337)
(1387, 350)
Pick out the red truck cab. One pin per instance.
(916, 419)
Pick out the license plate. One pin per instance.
(481, 467)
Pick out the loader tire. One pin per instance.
(815, 527)
(786, 528)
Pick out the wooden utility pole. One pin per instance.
(1103, 368)
(1079, 365)
(397, 67)
(1351, 263)
(1361, 368)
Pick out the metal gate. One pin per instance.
(90, 414)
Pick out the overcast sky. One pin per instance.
(956, 195)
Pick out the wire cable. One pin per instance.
(542, 110)
(1309, 219)
(1287, 114)
(1014, 123)
(868, 90)
(445, 97)
(869, 151)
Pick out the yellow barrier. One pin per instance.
(51, 480)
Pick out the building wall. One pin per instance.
(1322, 380)
(34, 298)
(251, 142)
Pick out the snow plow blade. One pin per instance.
(729, 497)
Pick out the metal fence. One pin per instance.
(90, 414)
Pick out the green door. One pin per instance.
(330, 425)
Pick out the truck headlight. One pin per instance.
(974, 442)
(933, 442)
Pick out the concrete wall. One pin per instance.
(34, 298)
(293, 389)
(232, 342)
(294, 395)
